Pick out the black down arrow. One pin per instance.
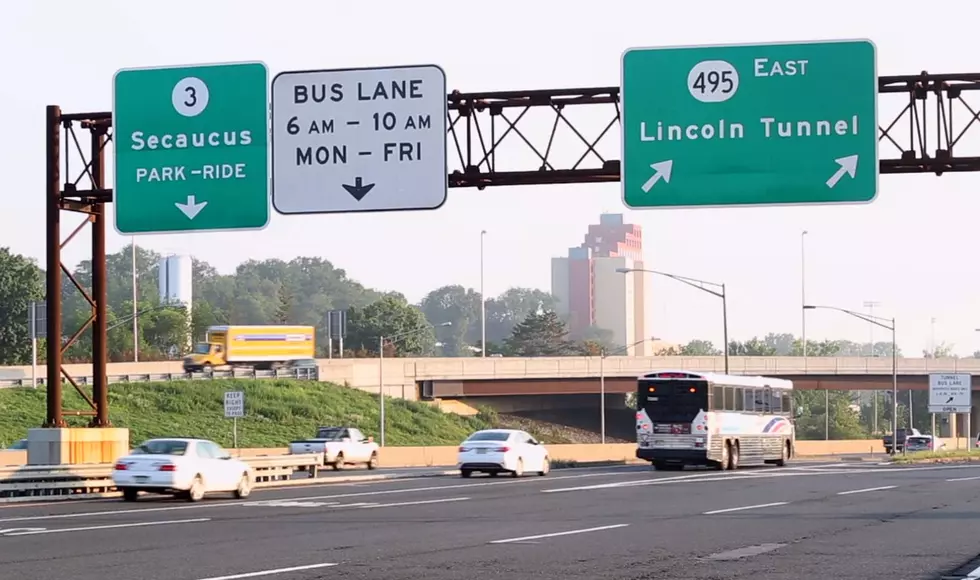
(358, 190)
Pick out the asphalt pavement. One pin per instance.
(834, 520)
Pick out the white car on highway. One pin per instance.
(188, 468)
(494, 451)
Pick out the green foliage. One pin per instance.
(403, 326)
(276, 412)
(458, 306)
(20, 284)
(699, 348)
(845, 421)
(541, 334)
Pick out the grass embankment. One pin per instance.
(276, 412)
(945, 456)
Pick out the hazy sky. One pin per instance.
(913, 250)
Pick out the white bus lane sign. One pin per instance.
(191, 148)
(357, 140)
(950, 393)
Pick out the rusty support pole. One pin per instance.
(53, 272)
(100, 386)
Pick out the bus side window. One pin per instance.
(717, 398)
(777, 401)
(729, 398)
(750, 398)
(739, 401)
(766, 400)
(787, 402)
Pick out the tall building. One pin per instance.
(592, 293)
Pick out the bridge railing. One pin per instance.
(573, 367)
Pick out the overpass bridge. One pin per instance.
(413, 378)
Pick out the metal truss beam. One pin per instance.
(923, 119)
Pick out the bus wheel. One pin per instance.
(784, 455)
(733, 456)
(723, 464)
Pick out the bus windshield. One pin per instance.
(672, 400)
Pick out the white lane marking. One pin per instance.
(556, 534)
(709, 477)
(404, 503)
(745, 507)
(867, 489)
(108, 527)
(963, 479)
(272, 572)
(745, 552)
(209, 505)
(974, 574)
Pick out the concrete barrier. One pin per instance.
(439, 456)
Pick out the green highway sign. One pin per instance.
(191, 148)
(762, 124)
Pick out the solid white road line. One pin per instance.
(747, 507)
(867, 489)
(271, 572)
(210, 505)
(405, 503)
(556, 534)
(107, 527)
(964, 479)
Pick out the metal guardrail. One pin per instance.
(49, 482)
(301, 374)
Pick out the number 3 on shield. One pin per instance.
(712, 81)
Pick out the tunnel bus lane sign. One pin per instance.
(950, 393)
(191, 148)
(359, 140)
(750, 125)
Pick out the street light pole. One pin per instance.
(803, 290)
(381, 372)
(702, 285)
(602, 382)
(602, 396)
(381, 390)
(483, 303)
(883, 323)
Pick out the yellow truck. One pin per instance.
(257, 347)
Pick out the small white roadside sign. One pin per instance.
(234, 404)
(950, 393)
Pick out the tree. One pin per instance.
(941, 350)
(699, 348)
(20, 284)
(751, 347)
(404, 326)
(512, 307)
(600, 338)
(459, 306)
(541, 334)
(285, 304)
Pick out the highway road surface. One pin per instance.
(809, 520)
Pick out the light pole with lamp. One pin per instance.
(887, 324)
(382, 340)
(483, 302)
(803, 290)
(702, 285)
(602, 381)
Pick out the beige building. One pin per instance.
(592, 293)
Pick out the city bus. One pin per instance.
(723, 421)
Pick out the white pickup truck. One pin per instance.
(340, 446)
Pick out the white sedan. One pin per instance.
(494, 451)
(187, 468)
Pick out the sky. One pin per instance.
(912, 250)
